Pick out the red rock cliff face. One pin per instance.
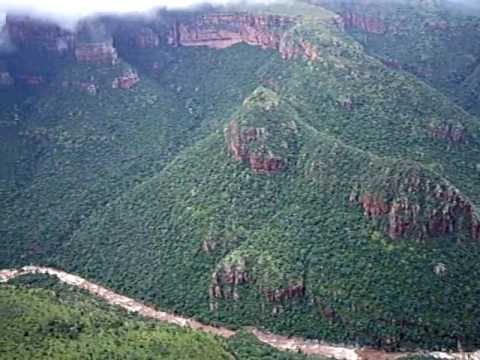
(442, 211)
(126, 81)
(25, 31)
(96, 53)
(224, 30)
(226, 281)
(261, 162)
(228, 278)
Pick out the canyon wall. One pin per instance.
(220, 31)
(94, 41)
(417, 207)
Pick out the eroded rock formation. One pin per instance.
(231, 274)
(224, 30)
(226, 280)
(450, 132)
(127, 80)
(292, 291)
(261, 160)
(421, 209)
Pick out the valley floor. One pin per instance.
(283, 343)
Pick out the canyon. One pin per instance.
(217, 30)
(209, 155)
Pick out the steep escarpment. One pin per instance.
(224, 30)
(42, 47)
(408, 202)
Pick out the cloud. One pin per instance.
(73, 10)
(5, 44)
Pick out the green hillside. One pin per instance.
(42, 319)
(435, 40)
(324, 195)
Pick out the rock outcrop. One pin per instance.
(96, 53)
(448, 131)
(226, 280)
(127, 80)
(224, 30)
(420, 209)
(261, 160)
(92, 42)
(277, 297)
(231, 274)
(292, 291)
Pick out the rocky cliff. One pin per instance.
(231, 274)
(127, 80)
(93, 41)
(261, 161)
(453, 133)
(415, 205)
(224, 30)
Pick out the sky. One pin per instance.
(66, 11)
(75, 9)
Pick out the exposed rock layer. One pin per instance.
(224, 30)
(126, 81)
(238, 141)
(421, 209)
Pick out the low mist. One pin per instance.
(71, 11)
